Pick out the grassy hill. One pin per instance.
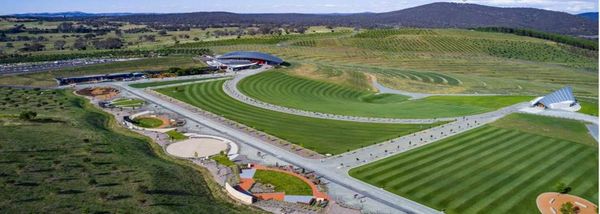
(475, 62)
(73, 158)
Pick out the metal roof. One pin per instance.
(563, 94)
(251, 55)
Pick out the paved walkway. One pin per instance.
(413, 96)
(345, 161)
(401, 204)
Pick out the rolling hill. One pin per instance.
(435, 15)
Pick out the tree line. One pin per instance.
(569, 40)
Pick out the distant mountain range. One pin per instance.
(435, 15)
(69, 14)
(591, 16)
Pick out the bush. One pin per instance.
(27, 115)
(562, 188)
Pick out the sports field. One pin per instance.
(320, 135)
(278, 87)
(498, 168)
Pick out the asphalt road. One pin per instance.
(26, 68)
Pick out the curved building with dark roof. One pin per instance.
(257, 57)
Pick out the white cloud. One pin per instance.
(571, 6)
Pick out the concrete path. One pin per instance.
(402, 205)
(385, 90)
(413, 96)
(593, 130)
(345, 161)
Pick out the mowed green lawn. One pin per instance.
(320, 135)
(283, 89)
(283, 182)
(75, 159)
(127, 102)
(148, 122)
(497, 168)
(169, 82)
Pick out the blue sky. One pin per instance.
(268, 6)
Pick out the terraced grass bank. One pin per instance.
(320, 135)
(417, 60)
(280, 88)
(74, 159)
(498, 168)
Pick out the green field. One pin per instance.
(123, 102)
(148, 122)
(175, 135)
(280, 88)
(169, 82)
(320, 135)
(73, 158)
(497, 168)
(289, 184)
(223, 160)
(588, 106)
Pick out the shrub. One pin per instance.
(27, 115)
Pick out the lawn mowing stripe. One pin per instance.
(489, 176)
(433, 149)
(412, 168)
(470, 155)
(420, 157)
(375, 169)
(469, 166)
(584, 188)
(211, 96)
(523, 179)
(541, 176)
(443, 190)
(440, 149)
